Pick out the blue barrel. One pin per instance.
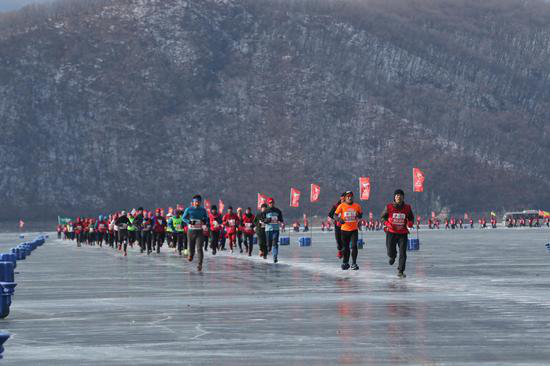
(413, 244)
(3, 338)
(305, 241)
(9, 257)
(19, 253)
(26, 248)
(21, 236)
(284, 240)
(360, 244)
(5, 301)
(7, 278)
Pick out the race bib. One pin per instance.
(178, 227)
(248, 225)
(274, 220)
(102, 226)
(350, 216)
(231, 222)
(398, 220)
(196, 226)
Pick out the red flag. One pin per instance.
(364, 188)
(418, 180)
(315, 193)
(294, 197)
(207, 205)
(220, 206)
(21, 224)
(261, 199)
(433, 214)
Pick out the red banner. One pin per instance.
(418, 180)
(220, 206)
(294, 197)
(261, 199)
(315, 193)
(364, 188)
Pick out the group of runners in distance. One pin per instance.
(192, 231)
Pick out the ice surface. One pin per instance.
(471, 297)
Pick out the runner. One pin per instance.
(123, 223)
(248, 230)
(216, 223)
(337, 230)
(196, 218)
(159, 229)
(147, 234)
(178, 231)
(397, 217)
(259, 225)
(272, 217)
(240, 228)
(348, 214)
(230, 222)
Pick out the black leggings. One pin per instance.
(393, 240)
(262, 241)
(147, 239)
(249, 242)
(350, 238)
(179, 240)
(214, 240)
(158, 240)
(338, 237)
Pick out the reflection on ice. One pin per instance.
(470, 297)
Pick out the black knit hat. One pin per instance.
(399, 191)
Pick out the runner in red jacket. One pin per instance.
(231, 223)
(398, 217)
(216, 223)
(248, 230)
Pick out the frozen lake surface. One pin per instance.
(471, 297)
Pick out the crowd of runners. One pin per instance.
(195, 230)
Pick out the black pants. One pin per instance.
(249, 242)
(100, 237)
(393, 240)
(158, 239)
(195, 241)
(338, 237)
(349, 238)
(262, 241)
(240, 240)
(214, 241)
(178, 240)
(132, 236)
(123, 238)
(147, 239)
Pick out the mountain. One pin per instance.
(111, 104)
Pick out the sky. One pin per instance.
(6, 5)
